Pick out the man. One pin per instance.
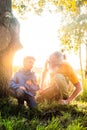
(59, 71)
(24, 84)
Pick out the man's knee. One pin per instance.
(61, 84)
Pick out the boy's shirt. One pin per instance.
(20, 79)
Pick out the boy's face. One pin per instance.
(28, 64)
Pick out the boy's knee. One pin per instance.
(19, 93)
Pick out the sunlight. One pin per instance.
(39, 38)
(18, 58)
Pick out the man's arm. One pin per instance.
(78, 89)
(44, 72)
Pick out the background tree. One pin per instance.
(9, 44)
(22, 6)
(73, 31)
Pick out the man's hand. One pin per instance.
(63, 102)
(40, 91)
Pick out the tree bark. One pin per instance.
(5, 5)
(80, 52)
(86, 62)
(9, 44)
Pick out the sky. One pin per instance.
(38, 35)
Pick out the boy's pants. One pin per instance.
(22, 96)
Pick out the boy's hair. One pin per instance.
(28, 57)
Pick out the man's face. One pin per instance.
(52, 62)
(28, 64)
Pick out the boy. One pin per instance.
(23, 80)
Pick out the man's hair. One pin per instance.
(56, 58)
(57, 54)
(28, 57)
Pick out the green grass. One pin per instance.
(48, 116)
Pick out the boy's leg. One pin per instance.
(31, 102)
(20, 101)
(19, 95)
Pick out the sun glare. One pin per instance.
(38, 36)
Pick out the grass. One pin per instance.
(47, 117)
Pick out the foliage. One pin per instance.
(84, 93)
(72, 31)
(39, 6)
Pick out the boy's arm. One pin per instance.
(31, 85)
(14, 83)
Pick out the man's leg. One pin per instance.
(61, 84)
(58, 88)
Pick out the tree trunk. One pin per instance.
(80, 52)
(9, 44)
(86, 62)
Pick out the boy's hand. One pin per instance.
(28, 82)
(22, 87)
